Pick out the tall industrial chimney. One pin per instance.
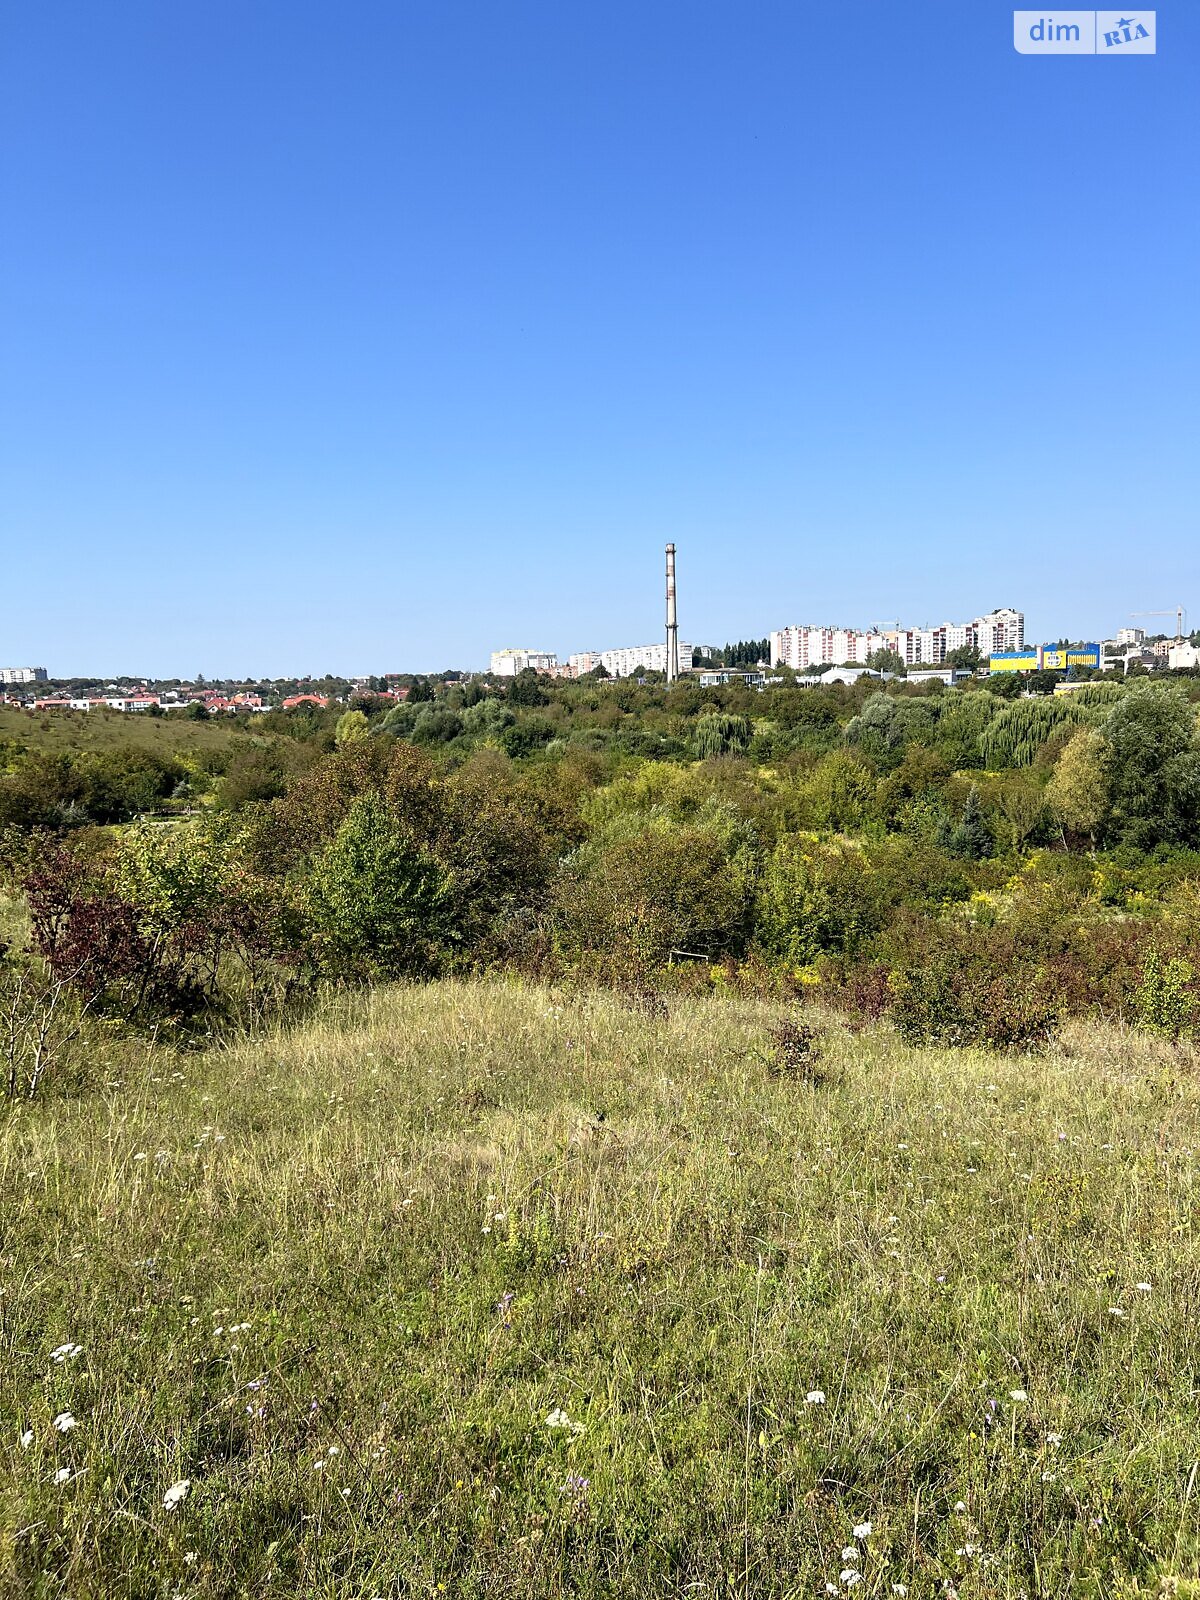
(672, 619)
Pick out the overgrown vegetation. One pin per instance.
(978, 868)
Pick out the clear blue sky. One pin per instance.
(374, 336)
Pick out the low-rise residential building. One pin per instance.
(725, 675)
(1183, 656)
(846, 675)
(134, 702)
(1140, 656)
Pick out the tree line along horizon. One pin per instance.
(973, 866)
(743, 653)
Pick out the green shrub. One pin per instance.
(975, 988)
(640, 891)
(376, 898)
(817, 897)
(887, 723)
(1165, 1000)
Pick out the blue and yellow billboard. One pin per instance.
(1076, 655)
(1014, 661)
(1046, 658)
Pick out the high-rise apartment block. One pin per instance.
(645, 657)
(804, 647)
(508, 663)
(22, 675)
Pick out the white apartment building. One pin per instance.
(508, 663)
(990, 635)
(803, 647)
(645, 657)
(22, 675)
(999, 631)
(1182, 655)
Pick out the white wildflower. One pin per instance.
(1116, 1311)
(64, 1422)
(862, 1530)
(1144, 1288)
(850, 1553)
(558, 1418)
(1054, 1438)
(1018, 1395)
(63, 1475)
(960, 1505)
(849, 1577)
(176, 1494)
(900, 1589)
(815, 1397)
(26, 1438)
(66, 1352)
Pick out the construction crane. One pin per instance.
(1178, 613)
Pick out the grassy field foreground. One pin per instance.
(470, 1290)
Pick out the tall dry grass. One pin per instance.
(475, 1290)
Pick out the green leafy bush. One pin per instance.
(1166, 1000)
(376, 898)
(640, 891)
(973, 988)
(817, 896)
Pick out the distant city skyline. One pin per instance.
(865, 632)
(864, 629)
(362, 339)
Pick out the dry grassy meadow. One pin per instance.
(59, 731)
(474, 1290)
